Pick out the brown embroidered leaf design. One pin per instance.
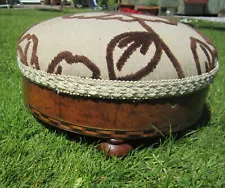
(124, 17)
(109, 16)
(31, 45)
(211, 55)
(132, 41)
(55, 67)
(135, 40)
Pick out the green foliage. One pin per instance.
(34, 156)
(153, 2)
(108, 2)
(142, 2)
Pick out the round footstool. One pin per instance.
(116, 76)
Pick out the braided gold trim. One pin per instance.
(115, 89)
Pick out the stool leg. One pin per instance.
(115, 147)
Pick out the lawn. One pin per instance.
(32, 155)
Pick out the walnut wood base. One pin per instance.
(113, 119)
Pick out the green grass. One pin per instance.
(33, 156)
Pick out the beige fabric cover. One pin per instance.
(114, 48)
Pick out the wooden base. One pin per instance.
(115, 148)
(117, 119)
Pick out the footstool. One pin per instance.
(115, 76)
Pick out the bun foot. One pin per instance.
(115, 147)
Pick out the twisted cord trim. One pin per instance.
(114, 89)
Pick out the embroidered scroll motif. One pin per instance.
(136, 39)
(56, 68)
(129, 43)
(132, 41)
(210, 54)
(124, 18)
(30, 45)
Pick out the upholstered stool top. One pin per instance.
(115, 55)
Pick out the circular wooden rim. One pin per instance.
(41, 102)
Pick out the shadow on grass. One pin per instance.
(83, 139)
(137, 144)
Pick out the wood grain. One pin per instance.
(122, 119)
